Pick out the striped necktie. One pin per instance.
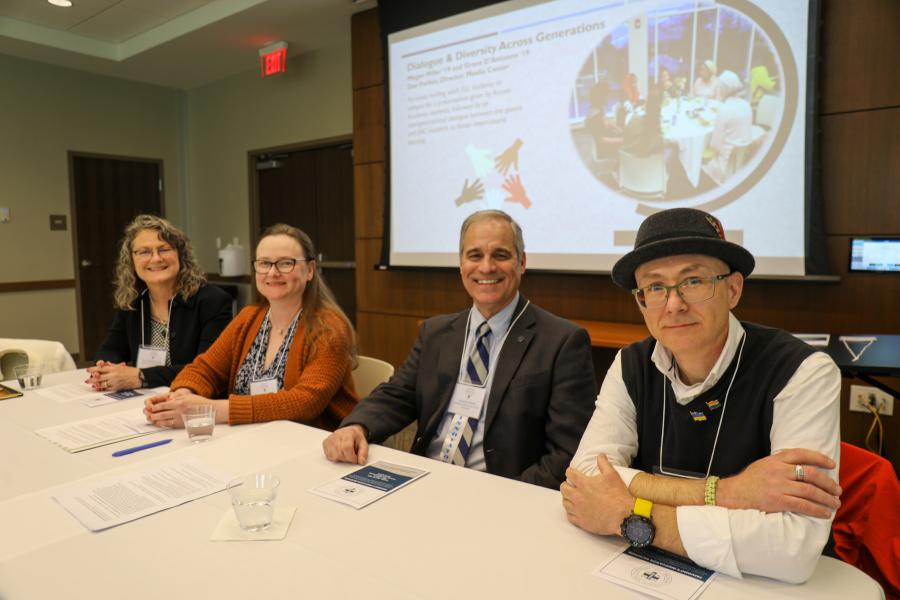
(462, 428)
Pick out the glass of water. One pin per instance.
(253, 498)
(199, 421)
(29, 376)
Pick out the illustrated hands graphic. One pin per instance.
(510, 157)
(470, 192)
(480, 159)
(516, 190)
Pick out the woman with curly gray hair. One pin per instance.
(166, 315)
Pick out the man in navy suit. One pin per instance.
(503, 387)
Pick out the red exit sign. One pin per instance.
(273, 59)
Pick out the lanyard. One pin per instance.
(465, 356)
(283, 351)
(662, 432)
(168, 322)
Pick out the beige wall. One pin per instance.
(46, 111)
(228, 118)
(44, 315)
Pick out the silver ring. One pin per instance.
(798, 472)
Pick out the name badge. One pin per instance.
(467, 400)
(263, 386)
(151, 356)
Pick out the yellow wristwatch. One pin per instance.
(638, 528)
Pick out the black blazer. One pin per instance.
(195, 325)
(541, 399)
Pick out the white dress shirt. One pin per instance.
(783, 546)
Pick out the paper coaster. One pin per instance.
(228, 529)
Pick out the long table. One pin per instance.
(454, 531)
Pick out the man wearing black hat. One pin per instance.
(712, 438)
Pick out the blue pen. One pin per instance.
(127, 451)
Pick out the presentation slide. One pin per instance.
(580, 118)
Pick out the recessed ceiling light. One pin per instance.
(65, 3)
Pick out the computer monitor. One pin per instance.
(875, 254)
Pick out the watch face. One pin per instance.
(639, 531)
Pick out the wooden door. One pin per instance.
(313, 189)
(107, 193)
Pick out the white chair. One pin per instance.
(767, 111)
(766, 115)
(368, 374)
(643, 175)
(740, 154)
(51, 356)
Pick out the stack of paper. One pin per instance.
(98, 431)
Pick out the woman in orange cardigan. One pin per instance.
(289, 357)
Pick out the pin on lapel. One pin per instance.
(520, 339)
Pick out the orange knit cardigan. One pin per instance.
(318, 387)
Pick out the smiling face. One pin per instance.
(156, 262)
(690, 330)
(274, 285)
(490, 270)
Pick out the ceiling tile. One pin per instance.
(117, 24)
(169, 9)
(40, 12)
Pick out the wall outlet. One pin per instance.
(863, 395)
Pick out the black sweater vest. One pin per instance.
(770, 358)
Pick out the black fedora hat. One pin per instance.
(680, 231)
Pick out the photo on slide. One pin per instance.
(688, 102)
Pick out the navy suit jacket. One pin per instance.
(541, 397)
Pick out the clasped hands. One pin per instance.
(600, 503)
(165, 410)
(112, 377)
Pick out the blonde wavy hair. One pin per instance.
(129, 286)
(317, 296)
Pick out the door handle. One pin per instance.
(86, 263)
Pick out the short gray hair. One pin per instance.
(729, 84)
(496, 215)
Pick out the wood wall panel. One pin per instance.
(397, 292)
(368, 200)
(366, 50)
(860, 303)
(859, 50)
(368, 125)
(861, 172)
(388, 337)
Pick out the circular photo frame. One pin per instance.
(685, 107)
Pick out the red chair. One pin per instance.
(867, 525)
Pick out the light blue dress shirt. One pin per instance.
(499, 325)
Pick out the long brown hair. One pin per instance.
(317, 297)
(129, 286)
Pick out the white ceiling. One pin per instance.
(175, 43)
